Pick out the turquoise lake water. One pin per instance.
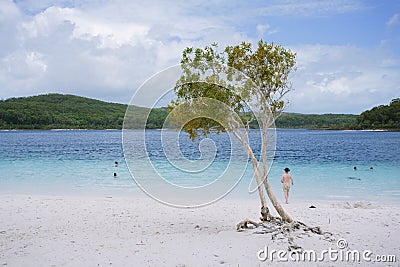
(81, 162)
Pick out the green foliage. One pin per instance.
(381, 117)
(196, 63)
(53, 111)
(263, 75)
(269, 67)
(316, 121)
(156, 118)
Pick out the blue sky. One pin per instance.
(348, 55)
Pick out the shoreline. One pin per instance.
(232, 196)
(163, 129)
(138, 231)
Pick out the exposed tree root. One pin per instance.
(246, 225)
(265, 214)
(283, 230)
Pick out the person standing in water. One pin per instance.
(286, 179)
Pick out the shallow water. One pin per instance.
(82, 162)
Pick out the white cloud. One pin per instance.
(265, 28)
(342, 79)
(394, 20)
(8, 10)
(9, 18)
(109, 34)
(107, 49)
(104, 51)
(309, 7)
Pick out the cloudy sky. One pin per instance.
(348, 51)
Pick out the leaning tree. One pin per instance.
(251, 82)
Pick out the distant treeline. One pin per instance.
(57, 111)
(316, 121)
(381, 117)
(54, 111)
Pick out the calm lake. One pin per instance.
(81, 162)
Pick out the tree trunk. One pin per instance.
(275, 202)
(265, 215)
(266, 122)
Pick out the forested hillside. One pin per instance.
(316, 121)
(57, 111)
(54, 111)
(381, 117)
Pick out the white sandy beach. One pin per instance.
(89, 231)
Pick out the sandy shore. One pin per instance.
(72, 231)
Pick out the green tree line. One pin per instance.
(381, 117)
(58, 111)
(54, 111)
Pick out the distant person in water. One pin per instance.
(355, 168)
(116, 164)
(286, 180)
